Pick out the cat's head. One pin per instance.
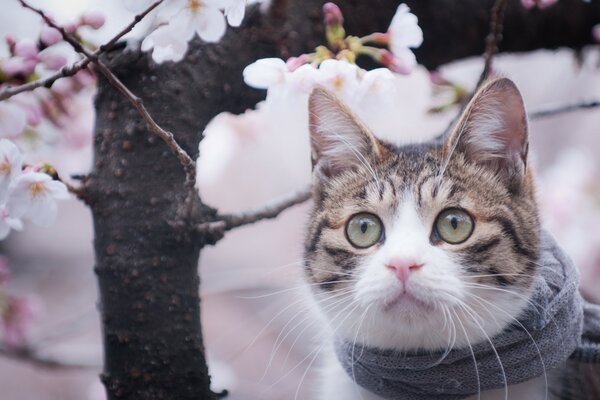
(408, 246)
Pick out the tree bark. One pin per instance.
(145, 262)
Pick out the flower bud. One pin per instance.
(93, 19)
(293, 63)
(26, 48)
(333, 15)
(50, 36)
(393, 63)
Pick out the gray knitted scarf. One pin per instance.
(562, 324)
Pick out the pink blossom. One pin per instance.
(401, 65)
(529, 4)
(52, 59)
(17, 316)
(19, 66)
(50, 36)
(93, 19)
(12, 120)
(333, 14)
(26, 48)
(293, 63)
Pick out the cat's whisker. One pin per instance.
(472, 353)
(466, 308)
(306, 372)
(320, 348)
(477, 298)
(494, 275)
(326, 308)
(277, 344)
(290, 289)
(362, 318)
(519, 295)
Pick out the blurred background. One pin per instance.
(259, 331)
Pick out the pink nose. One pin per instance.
(402, 268)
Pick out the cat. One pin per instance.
(404, 243)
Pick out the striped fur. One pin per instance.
(481, 167)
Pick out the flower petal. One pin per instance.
(235, 13)
(210, 24)
(265, 73)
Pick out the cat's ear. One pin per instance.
(339, 141)
(493, 130)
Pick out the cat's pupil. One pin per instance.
(364, 226)
(454, 222)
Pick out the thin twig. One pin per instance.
(29, 355)
(565, 108)
(186, 161)
(493, 39)
(72, 69)
(227, 222)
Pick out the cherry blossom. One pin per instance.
(167, 44)
(339, 76)
(33, 195)
(265, 73)
(17, 315)
(190, 17)
(12, 120)
(539, 3)
(10, 165)
(404, 33)
(235, 12)
(8, 223)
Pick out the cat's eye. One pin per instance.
(364, 230)
(454, 225)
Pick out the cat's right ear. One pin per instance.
(339, 141)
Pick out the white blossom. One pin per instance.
(33, 195)
(167, 44)
(235, 12)
(10, 166)
(404, 34)
(339, 76)
(265, 73)
(7, 223)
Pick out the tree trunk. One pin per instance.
(145, 263)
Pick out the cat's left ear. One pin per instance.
(339, 141)
(493, 130)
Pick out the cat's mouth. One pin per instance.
(405, 301)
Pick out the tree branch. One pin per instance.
(29, 355)
(186, 161)
(565, 108)
(271, 210)
(72, 69)
(493, 39)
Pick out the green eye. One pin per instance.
(364, 230)
(454, 225)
